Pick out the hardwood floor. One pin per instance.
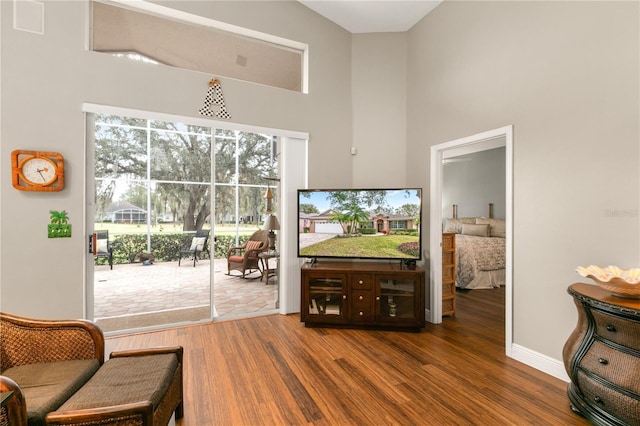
(273, 371)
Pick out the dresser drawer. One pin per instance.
(447, 258)
(619, 405)
(619, 330)
(448, 273)
(448, 289)
(359, 281)
(612, 365)
(448, 241)
(361, 306)
(448, 305)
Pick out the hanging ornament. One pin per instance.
(214, 97)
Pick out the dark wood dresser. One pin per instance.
(602, 357)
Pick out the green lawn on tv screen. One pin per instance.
(387, 246)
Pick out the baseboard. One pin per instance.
(541, 362)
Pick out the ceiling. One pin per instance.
(373, 16)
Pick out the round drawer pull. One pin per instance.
(377, 297)
(598, 400)
(361, 313)
(360, 282)
(360, 297)
(344, 296)
(611, 328)
(603, 361)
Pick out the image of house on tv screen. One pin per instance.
(360, 223)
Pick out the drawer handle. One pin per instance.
(598, 400)
(611, 328)
(377, 297)
(361, 313)
(360, 282)
(603, 361)
(360, 297)
(344, 296)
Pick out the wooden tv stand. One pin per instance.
(362, 295)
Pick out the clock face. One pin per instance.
(39, 171)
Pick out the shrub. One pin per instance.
(403, 232)
(367, 231)
(166, 247)
(411, 249)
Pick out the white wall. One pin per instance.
(379, 87)
(46, 78)
(565, 74)
(472, 181)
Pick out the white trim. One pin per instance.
(540, 362)
(166, 12)
(35, 26)
(293, 175)
(437, 151)
(205, 122)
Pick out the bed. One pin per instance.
(480, 251)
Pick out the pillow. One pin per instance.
(497, 227)
(197, 243)
(102, 246)
(455, 225)
(253, 245)
(477, 230)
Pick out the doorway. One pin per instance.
(479, 142)
(131, 157)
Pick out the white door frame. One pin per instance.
(478, 142)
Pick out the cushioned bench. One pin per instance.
(143, 387)
(56, 373)
(48, 385)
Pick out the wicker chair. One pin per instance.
(245, 258)
(24, 342)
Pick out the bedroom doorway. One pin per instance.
(501, 137)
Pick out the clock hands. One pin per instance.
(41, 175)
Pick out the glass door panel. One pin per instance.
(326, 296)
(396, 298)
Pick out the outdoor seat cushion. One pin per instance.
(124, 380)
(46, 386)
(236, 259)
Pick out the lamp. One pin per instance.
(271, 224)
(268, 195)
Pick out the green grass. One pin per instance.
(365, 246)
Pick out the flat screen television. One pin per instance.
(380, 224)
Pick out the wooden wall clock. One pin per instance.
(37, 170)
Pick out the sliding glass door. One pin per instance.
(174, 199)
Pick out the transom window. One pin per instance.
(195, 43)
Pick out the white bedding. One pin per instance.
(480, 261)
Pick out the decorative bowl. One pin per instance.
(621, 283)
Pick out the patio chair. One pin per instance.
(198, 245)
(245, 258)
(101, 246)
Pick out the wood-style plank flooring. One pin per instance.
(273, 371)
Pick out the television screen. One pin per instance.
(360, 223)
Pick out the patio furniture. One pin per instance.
(198, 245)
(55, 372)
(245, 258)
(101, 246)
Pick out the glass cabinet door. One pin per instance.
(326, 296)
(396, 298)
